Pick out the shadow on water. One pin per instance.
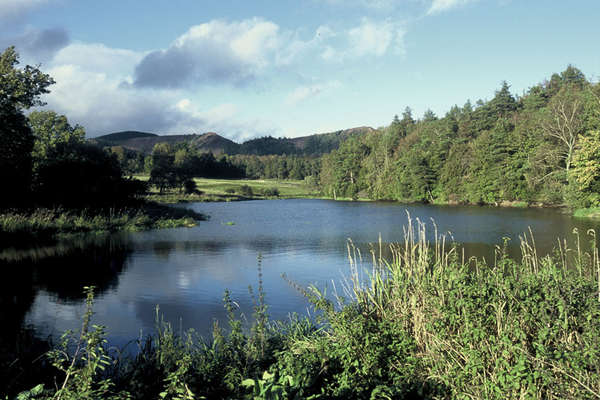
(62, 271)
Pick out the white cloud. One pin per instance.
(213, 52)
(439, 6)
(369, 39)
(99, 103)
(224, 119)
(375, 38)
(220, 52)
(306, 92)
(96, 57)
(89, 90)
(295, 48)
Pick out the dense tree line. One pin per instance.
(184, 162)
(542, 147)
(278, 166)
(314, 145)
(44, 161)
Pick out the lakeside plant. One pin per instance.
(44, 223)
(421, 323)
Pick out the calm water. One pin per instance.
(186, 271)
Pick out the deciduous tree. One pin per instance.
(20, 89)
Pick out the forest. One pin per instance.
(538, 148)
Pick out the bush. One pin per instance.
(271, 192)
(190, 187)
(246, 190)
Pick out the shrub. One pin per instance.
(271, 192)
(246, 190)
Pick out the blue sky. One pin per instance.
(289, 68)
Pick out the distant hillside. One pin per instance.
(144, 142)
(316, 144)
(326, 142)
(214, 143)
(125, 135)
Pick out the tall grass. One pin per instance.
(525, 329)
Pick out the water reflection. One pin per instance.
(186, 271)
(60, 271)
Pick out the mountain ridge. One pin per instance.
(315, 144)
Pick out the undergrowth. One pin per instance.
(423, 324)
(46, 224)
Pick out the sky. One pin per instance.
(285, 68)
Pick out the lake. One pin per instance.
(186, 271)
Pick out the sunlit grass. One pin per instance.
(593, 212)
(232, 190)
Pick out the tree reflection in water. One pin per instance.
(61, 270)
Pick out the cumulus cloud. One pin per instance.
(310, 91)
(98, 58)
(89, 90)
(38, 44)
(220, 52)
(213, 52)
(439, 6)
(97, 102)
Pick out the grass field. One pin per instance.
(237, 189)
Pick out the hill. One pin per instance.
(315, 144)
(144, 142)
(125, 135)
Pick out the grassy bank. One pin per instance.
(235, 189)
(426, 325)
(593, 213)
(48, 224)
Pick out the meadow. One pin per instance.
(235, 189)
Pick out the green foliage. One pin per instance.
(20, 89)
(585, 174)
(49, 130)
(47, 224)
(82, 368)
(499, 151)
(175, 167)
(271, 192)
(245, 190)
(190, 186)
(277, 166)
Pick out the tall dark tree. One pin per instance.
(20, 89)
